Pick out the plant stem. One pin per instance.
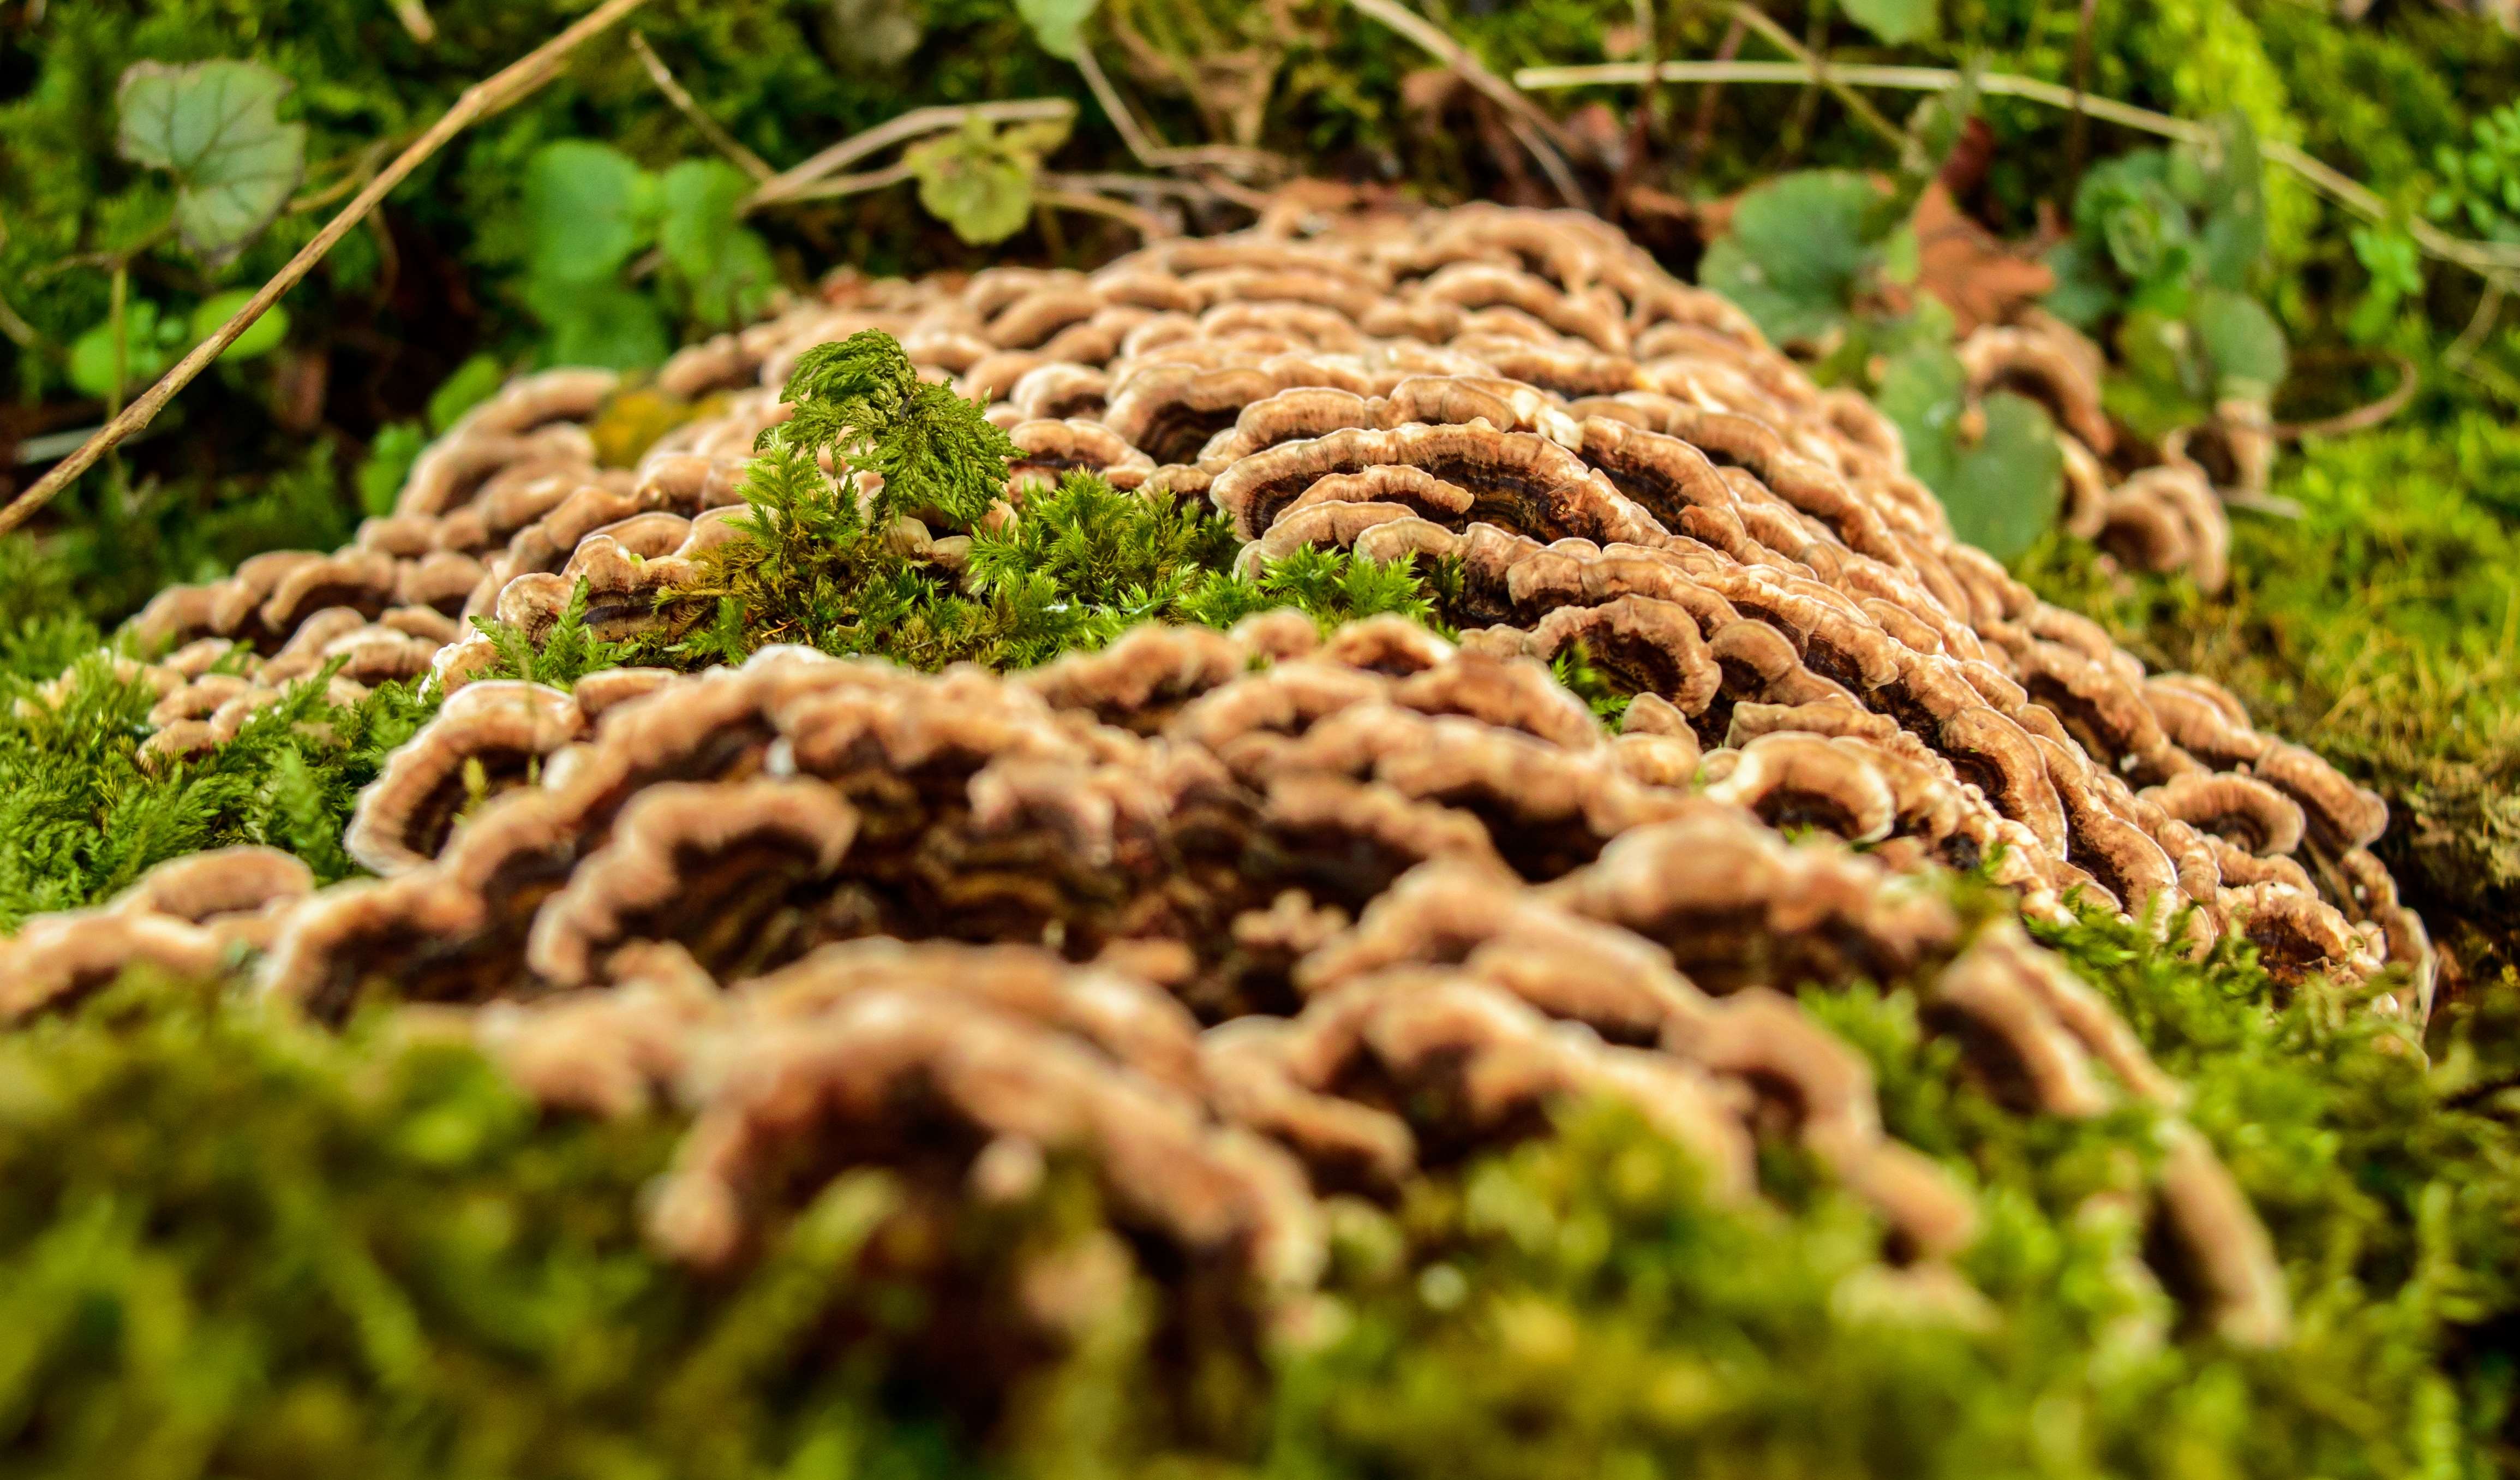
(709, 128)
(1815, 69)
(478, 101)
(799, 182)
(1154, 153)
(1551, 136)
(2488, 259)
(119, 300)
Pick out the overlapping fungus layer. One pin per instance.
(1244, 920)
(1614, 459)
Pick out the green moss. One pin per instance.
(82, 816)
(240, 1246)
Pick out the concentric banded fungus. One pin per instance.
(1465, 898)
(1401, 384)
(978, 1073)
(487, 737)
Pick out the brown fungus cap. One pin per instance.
(485, 737)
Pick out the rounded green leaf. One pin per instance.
(588, 207)
(473, 381)
(144, 357)
(1893, 21)
(2243, 341)
(215, 128)
(726, 267)
(1795, 257)
(2005, 492)
(260, 336)
(598, 323)
(972, 181)
(1058, 25)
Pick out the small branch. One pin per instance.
(1701, 133)
(478, 101)
(1816, 70)
(2489, 308)
(1146, 223)
(709, 128)
(793, 184)
(1154, 153)
(357, 175)
(414, 16)
(2360, 418)
(853, 184)
(11, 324)
(1111, 183)
(2485, 259)
(1552, 143)
(1631, 162)
(2078, 133)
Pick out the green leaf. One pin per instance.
(215, 128)
(598, 323)
(2234, 235)
(1894, 21)
(875, 34)
(145, 355)
(725, 265)
(2084, 294)
(980, 181)
(2005, 492)
(260, 336)
(1796, 255)
(2002, 490)
(1058, 25)
(589, 208)
(2243, 341)
(379, 478)
(473, 381)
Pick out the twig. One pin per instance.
(351, 179)
(2360, 418)
(2479, 324)
(1632, 162)
(478, 101)
(1152, 152)
(1148, 224)
(414, 16)
(1552, 141)
(16, 328)
(853, 184)
(2485, 259)
(1701, 133)
(793, 184)
(1815, 69)
(1107, 182)
(709, 128)
(2078, 133)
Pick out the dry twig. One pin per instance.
(2488, 259)
(709, 128)
(479, 102)
(1154, 153)
(802, 182)
(1544, 136)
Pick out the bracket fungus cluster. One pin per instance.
(2153, 506)
(1246, 919)
(1242, 920)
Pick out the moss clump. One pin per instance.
(1074, 567)
(245, 1247)
(82, 814)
